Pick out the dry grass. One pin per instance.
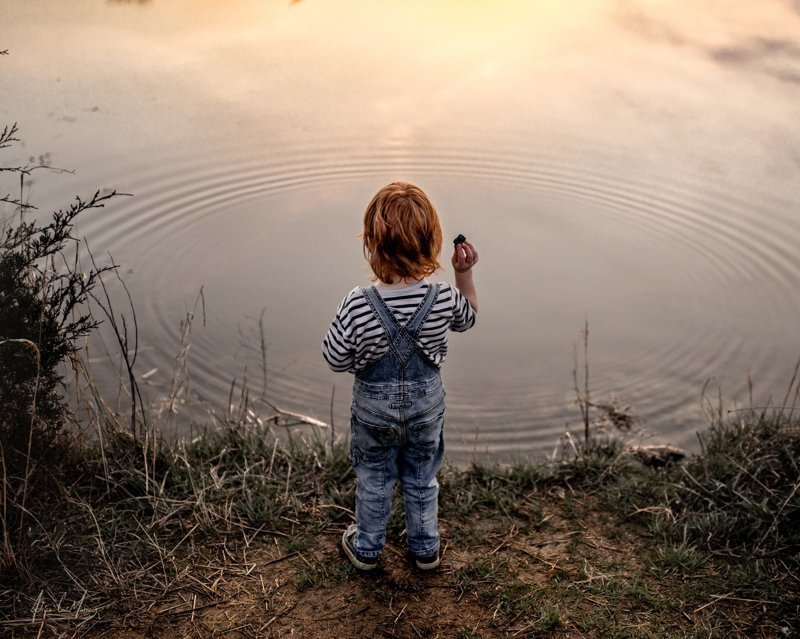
(237, 534)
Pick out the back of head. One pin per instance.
(402, 234)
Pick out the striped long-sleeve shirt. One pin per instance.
(355, 337)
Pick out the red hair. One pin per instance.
(402, 234)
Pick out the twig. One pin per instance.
(291, 555)
(333, 427)
(583, 398)
(121, 333)
(718, 598)
(400, 614)
(789, 391)
(264, 347)
(511, 534)
(774, 523)
(586, 378)
(28, 455)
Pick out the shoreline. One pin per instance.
(238, 534)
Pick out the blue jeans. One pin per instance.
(397, 432)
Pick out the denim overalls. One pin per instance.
(397, 433)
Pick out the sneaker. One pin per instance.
(428, 562)
(356, 558)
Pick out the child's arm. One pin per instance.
(464, 258)
(337, 347)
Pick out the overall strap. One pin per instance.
(414, 325)
(387, 319)
(385, 316)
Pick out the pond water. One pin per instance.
(630, 163)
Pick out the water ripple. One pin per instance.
(722, 244)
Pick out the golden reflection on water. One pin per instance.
(399, 72)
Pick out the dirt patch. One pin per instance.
(499, 577)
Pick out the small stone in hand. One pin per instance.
(460, 239)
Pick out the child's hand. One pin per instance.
(464, 257)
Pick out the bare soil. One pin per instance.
(560, 567)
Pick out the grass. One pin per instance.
(599, 545)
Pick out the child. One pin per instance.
(393, 336)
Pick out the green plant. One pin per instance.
(550, 618)
(325, 574)
(670, 559)
(741, 497)
(42, 313)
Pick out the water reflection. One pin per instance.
(778, 57)
(766, 54)
(611, 163)
(650, 28)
